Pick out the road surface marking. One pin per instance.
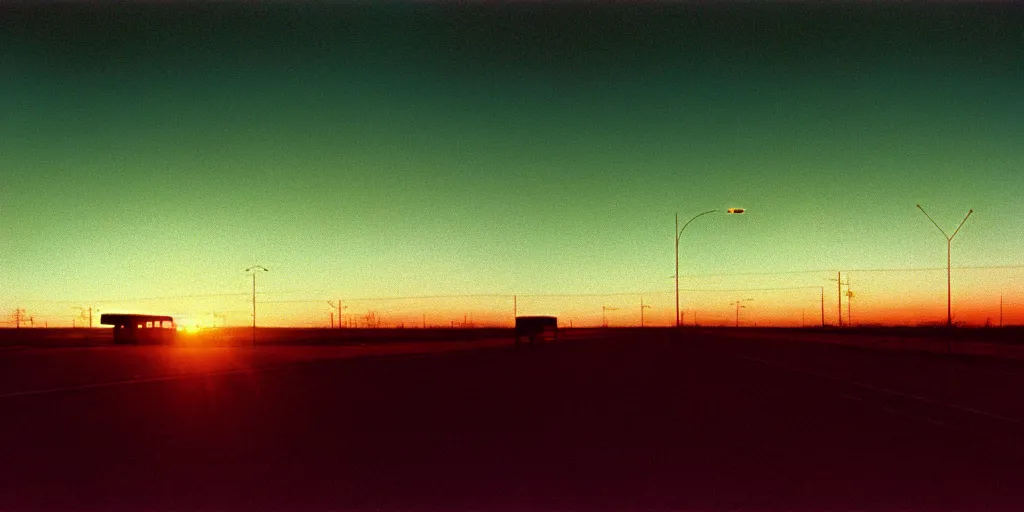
(927, 419)
(911, 396)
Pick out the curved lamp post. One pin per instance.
(679, 233)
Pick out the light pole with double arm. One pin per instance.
(949, 244)
(252, 270)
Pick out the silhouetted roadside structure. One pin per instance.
(534, 327)
(135, 329)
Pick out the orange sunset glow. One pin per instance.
(501, 183)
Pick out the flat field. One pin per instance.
(604, 419)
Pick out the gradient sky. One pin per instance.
(404, 151)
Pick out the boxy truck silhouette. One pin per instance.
(536, 327)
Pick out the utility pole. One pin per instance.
(822, 306)
(340, 307)
(252, 270)
(604, 318)
(839, 292)
(849, 301)
(84, 314)
(642, 307)
(739, 304)
(1000, 310)
(19, 317)
(515, 307)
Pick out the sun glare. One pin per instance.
(189, 325)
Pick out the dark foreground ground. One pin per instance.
(605, 421)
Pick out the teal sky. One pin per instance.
(159, 150)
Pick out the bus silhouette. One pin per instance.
(137, 329)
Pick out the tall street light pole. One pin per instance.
(252, 270)
(679, 233)
(839, 297)
(949, 243)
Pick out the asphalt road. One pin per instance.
(626, 422)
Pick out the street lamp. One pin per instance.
(252, 270)
(679, 233)
(839, 298)
(739, 304)
(949, 243)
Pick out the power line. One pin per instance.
(612, 294)
(478, 295)
(555, 295)
(830, 270)
(536, 295)
(414, 297)
(755, 289)
(138, 299)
